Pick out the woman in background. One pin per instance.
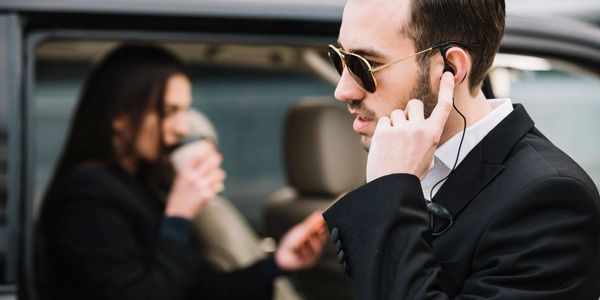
(116, 223)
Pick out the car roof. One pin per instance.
(263, 9)
(526, 32)
(587, 10)
(289, 9)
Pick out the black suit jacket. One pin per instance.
(106, 237)
(526, 226)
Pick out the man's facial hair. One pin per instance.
(422, 90)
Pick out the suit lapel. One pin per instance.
(483, 163)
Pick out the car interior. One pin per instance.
(288, 144)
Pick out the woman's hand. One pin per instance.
(199, 181)
(302, 245)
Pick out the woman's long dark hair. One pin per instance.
(129, 82)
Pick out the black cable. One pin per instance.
(462, 138)
(433, 207)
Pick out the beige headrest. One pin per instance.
(322, 153)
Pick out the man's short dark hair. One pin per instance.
(474, 21)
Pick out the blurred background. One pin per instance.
(262, 76)
(245, 90)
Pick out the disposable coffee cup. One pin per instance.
(185, 150)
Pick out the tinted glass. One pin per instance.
(360, 72)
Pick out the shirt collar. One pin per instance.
(446, 154)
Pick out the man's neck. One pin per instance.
(474, 108)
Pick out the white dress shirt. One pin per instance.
(445, 155)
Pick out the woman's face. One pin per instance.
(177, 101)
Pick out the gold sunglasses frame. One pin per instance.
(342, 54)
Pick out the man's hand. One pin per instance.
(406, 143)
(302, 245)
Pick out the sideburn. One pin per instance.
(422, 90)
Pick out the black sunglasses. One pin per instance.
(361, 70)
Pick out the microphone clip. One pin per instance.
(438, 211)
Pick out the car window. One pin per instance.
(245, 91)
(562, 99)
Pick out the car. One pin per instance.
(252, 61)
(584, 10)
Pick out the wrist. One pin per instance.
(278, 260)
(178, 214)
(176, 228)
(275, 266)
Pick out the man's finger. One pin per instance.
(414, 110)
(444, 106)
(383, 123)
(398, 117)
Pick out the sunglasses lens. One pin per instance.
(360, 72)
(336, 60)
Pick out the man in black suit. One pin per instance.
(465, 198)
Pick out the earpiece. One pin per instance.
(447, 67)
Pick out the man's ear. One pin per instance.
(460, 61)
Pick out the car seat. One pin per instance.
(323, 159)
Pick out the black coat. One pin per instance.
(107, 238)
(526, 226)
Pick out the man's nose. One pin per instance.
(347, 89)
